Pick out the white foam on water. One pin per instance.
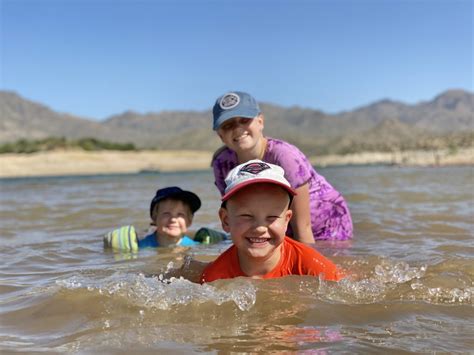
(161, 293)
(393, 281)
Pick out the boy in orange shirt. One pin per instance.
(255, 211)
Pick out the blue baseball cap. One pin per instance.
(176, 193)
(234, 104)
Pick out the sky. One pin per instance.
(97, 58)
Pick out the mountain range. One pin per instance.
(445, 121)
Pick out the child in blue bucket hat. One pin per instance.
(171, 210)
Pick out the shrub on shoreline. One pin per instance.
(56, 143)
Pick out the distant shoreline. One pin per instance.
(441, 157)
(78, 162)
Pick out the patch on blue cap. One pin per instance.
(229, 101)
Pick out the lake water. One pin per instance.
(410, 264)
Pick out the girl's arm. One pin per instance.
(301, 220)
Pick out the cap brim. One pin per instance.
(191, 198)
(227, 115)
(187, 196)
(240, 186)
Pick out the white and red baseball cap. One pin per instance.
(254, 172)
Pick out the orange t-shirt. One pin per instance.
(296, 259)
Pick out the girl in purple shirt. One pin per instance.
(319, 211)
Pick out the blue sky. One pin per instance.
(96, 58)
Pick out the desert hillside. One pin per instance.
(444, 122)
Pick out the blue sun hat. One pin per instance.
(234, 104)
(177, 193)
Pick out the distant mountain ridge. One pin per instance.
(446, 120)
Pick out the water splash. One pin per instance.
(439, 295)
(161, 293)
(399, 273)
(396, 281)
(374, 288)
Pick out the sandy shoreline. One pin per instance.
(59, 163)
(440, 157)
(78, 162)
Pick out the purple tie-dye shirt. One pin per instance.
(330, 216)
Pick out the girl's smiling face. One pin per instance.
(240, 133)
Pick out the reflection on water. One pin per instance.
(409, 289)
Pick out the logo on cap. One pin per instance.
(229, 101)
(254, 168)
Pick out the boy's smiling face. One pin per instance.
(172, 218)
(257, 218)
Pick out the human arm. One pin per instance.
(300, 174)
(301, 220)
(123, 238)
(218, 167)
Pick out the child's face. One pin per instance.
(172, 218)
(240, 134)
(257, 218)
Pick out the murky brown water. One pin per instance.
(410, 291)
